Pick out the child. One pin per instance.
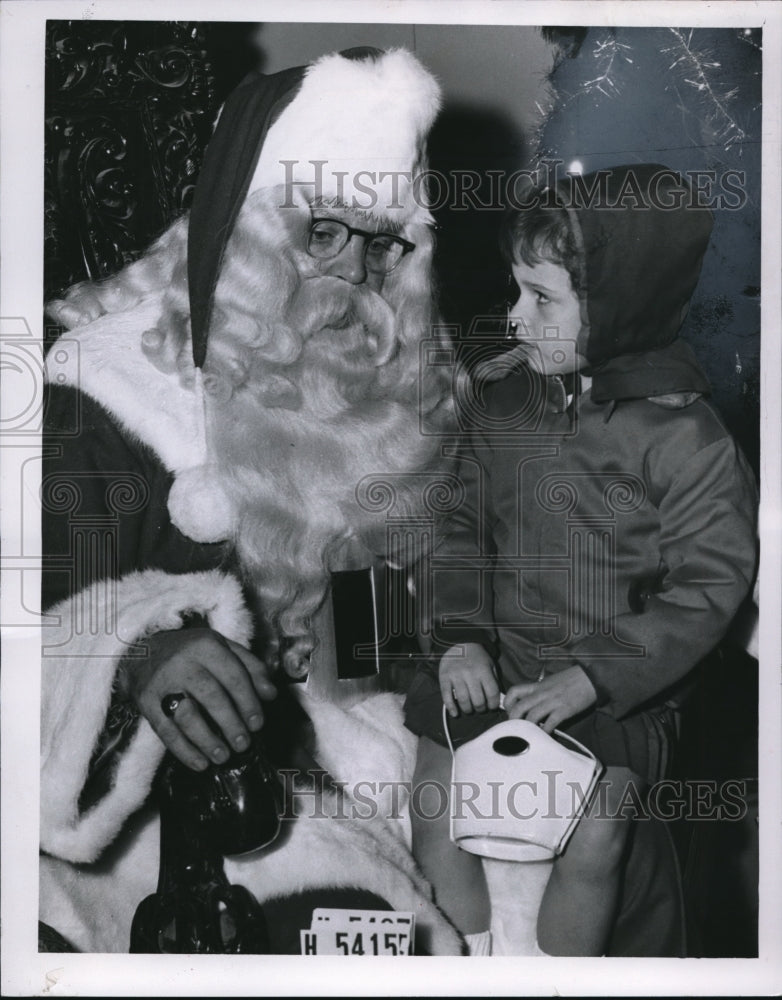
(614, 520)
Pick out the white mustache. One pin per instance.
(333, 303)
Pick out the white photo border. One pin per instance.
(25, 972)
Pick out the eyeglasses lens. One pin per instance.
(329, 237)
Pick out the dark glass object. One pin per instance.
(231, 809)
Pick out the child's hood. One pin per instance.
(644, 239)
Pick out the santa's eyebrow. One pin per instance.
(391, 226)
(384, 224)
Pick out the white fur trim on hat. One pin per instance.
(355, 131)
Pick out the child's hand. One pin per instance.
(221, 676)
(467, 680)
(552, 700)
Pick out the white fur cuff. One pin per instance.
(79, 663)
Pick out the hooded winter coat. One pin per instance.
(613, 529)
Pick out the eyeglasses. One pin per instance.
(382, 251)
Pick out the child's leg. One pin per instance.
(457, 877)
(581, 899)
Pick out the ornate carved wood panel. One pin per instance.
(129, 108)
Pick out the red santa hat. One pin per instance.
(350, 127)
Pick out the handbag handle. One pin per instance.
(448, 731)
(578, 747)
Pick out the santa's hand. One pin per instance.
(552, 700)
(222, 677)
(468, 682)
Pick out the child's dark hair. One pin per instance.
(542, 232)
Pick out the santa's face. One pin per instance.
(323, 280)
(350, 263)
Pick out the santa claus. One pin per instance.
(220, 415)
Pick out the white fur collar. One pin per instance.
(105, 361)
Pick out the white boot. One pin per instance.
(478, 944)
(515, 889)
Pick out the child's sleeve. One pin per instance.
(708, 548)
(463, 557)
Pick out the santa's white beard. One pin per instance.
(291, 470)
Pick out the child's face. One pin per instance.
(547, 317)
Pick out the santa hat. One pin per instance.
(351, 126)
(355, 132)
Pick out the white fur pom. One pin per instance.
(200, 507)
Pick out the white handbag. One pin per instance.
(517, 793)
